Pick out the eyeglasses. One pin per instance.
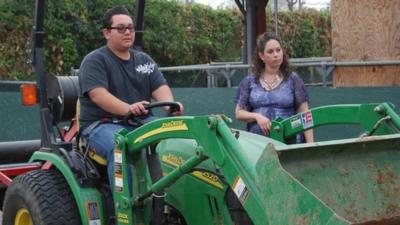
(122, 29)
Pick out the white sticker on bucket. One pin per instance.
(307, 120)
(240, 189)
(295, 122)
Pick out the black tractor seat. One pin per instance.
(63, 93)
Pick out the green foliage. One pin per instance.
(72, 30)
(177, 34)
(305, 33)
(174, 34)
(15, 25)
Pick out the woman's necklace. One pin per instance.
(270, 84)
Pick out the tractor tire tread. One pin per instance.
(47, 197)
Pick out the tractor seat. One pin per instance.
(63, 92)
(83, 145)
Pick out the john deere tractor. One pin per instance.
(190, 170)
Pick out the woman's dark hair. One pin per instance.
(117, 10)
(258, 65)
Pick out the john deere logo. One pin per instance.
(173, 160)
(177, 125)
(123, 218)
(208, 177)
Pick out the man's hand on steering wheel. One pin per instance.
(177, 112)
(144, 107)
(138, 108)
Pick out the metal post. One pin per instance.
(251, 28)
(276, 16)
(241, 6)
(261, 17)
(46, 127)
(139, 20)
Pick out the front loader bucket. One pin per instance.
(351, 181)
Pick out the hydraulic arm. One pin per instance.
(215, 141)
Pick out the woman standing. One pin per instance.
(272, 90)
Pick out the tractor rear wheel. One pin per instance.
(40, 197)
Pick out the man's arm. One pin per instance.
(108, 102)
(164, 93)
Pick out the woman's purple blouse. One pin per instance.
(283, 101)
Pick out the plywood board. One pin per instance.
(367, 30)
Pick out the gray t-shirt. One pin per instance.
(130, 80)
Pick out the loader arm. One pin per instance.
(375, 119)
(215, 141)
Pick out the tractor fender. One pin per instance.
(88, 200)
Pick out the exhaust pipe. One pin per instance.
(17, 151)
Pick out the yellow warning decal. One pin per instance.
(165, 127)
(173, 160)
(123, 218)
(207, 177)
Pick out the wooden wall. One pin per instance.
(365, 30)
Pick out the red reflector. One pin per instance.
(28, 94)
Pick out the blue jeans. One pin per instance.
(102, 139)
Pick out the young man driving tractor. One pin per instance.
(116, 80)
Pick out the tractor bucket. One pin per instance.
(350, 181)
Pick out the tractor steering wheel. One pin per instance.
(130, 119)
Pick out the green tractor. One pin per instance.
(198, 171)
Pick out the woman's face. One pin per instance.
(272, 54)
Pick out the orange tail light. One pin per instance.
(28, 94)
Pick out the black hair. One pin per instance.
(117, 10)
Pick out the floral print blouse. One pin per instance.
(283, 101)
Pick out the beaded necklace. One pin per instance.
(272, 84)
